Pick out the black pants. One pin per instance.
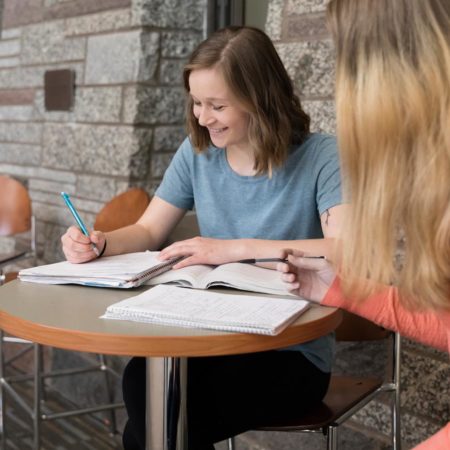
(228, 395)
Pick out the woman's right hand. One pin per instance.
(306, 277)
(78, 248)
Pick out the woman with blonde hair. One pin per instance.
(259, 181)
(393, 110)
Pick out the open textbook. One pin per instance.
(171, 305)
(120, 271)
(246, 277)
(133, 269)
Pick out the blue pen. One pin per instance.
(78, 219)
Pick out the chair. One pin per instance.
(18, 223)
(122, 210)
(347, 394)
(16, 219)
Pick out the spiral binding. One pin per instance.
(156, 270)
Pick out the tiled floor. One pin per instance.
(88, 433)
(76, 433)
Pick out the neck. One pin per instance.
(241, 160)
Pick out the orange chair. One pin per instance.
(124, 209)
(16, 219)
(16, 223)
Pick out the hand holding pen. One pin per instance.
(78, 244)
(306, 276)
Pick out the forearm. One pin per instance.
(133, 238)
(385, 309)
(262, 248)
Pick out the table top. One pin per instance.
(67, 316)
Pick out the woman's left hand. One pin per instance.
(201, 250)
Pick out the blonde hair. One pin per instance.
(255, 74)
(393, 108)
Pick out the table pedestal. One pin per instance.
(166, 416)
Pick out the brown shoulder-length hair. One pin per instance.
(255, 74)
(393, 121)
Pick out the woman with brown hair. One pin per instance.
(259, 181)
(393, 110)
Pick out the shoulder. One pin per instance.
(186, 147)
(184, 154)
(188, 161)
(320, 143)
(317, 149)
(187, 150)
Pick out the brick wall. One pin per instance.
(126, 124)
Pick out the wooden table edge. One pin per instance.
(164, 346)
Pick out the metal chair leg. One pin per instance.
(395, 402)
(43, 395)
(109, 393)
(332, 437)
(231, 444)
(37, 396)
(2, 395)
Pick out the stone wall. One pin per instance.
(127, 117)
(298, 28)
(124, 127)
(125, 124)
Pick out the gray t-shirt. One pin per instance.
(286, 206)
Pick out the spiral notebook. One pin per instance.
(192, 308)
(119, 271)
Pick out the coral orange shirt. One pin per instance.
(384, 308)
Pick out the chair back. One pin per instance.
(15, 207)
(124, 209)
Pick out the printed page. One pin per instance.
(247, 277)
(191, 276)
(172, 305)
(108, 267)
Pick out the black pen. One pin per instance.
(263, 260)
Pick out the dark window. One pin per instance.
(221, 13)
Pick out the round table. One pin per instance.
(67, 316)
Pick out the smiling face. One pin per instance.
(216, 109)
